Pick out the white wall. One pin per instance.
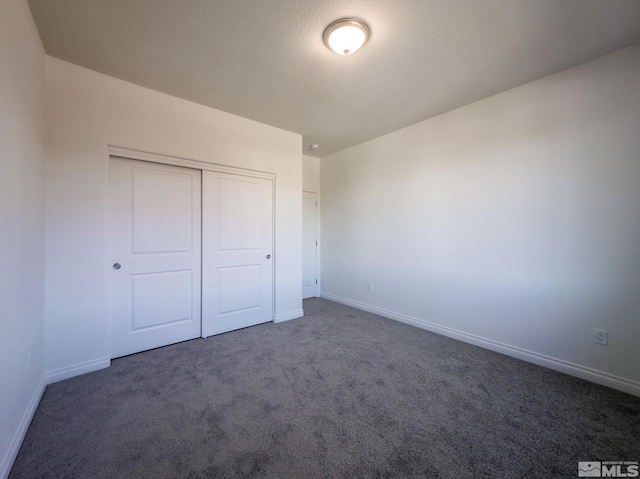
(512, 222)
(22, 138)
(310, 173)
(86, 111)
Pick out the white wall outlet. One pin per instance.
(601, 336)
(370, 287)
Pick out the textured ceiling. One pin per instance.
(265, 60)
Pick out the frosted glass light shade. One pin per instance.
(346, 35)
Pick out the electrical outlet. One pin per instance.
(601, 336)
(370, 287)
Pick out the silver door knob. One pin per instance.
(116, 266)
(268, 256)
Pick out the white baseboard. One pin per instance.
(577, 370)
(78, 369)
(279, 318)
(14, 447)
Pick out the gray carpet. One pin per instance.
(340, 393)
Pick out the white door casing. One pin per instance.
(155, 237)
(309, 245)
(237, 262)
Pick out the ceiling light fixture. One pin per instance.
(346, 35)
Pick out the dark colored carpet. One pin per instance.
(340, 393)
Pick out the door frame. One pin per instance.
(130, 154)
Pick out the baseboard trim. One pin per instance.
(583, 372)
(76, 370)
(14, 448)
(279, 318)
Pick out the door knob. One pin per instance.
(116, 266)
(268, 256)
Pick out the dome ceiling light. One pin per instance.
(346, 35)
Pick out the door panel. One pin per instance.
(171, 194)
(240, 207)
(240, 288)
(161, 298)
(237, 258)
(155, 235)
(309, 245)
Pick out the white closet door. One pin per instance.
(155, 240)
(309, 245)
(237, 255)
